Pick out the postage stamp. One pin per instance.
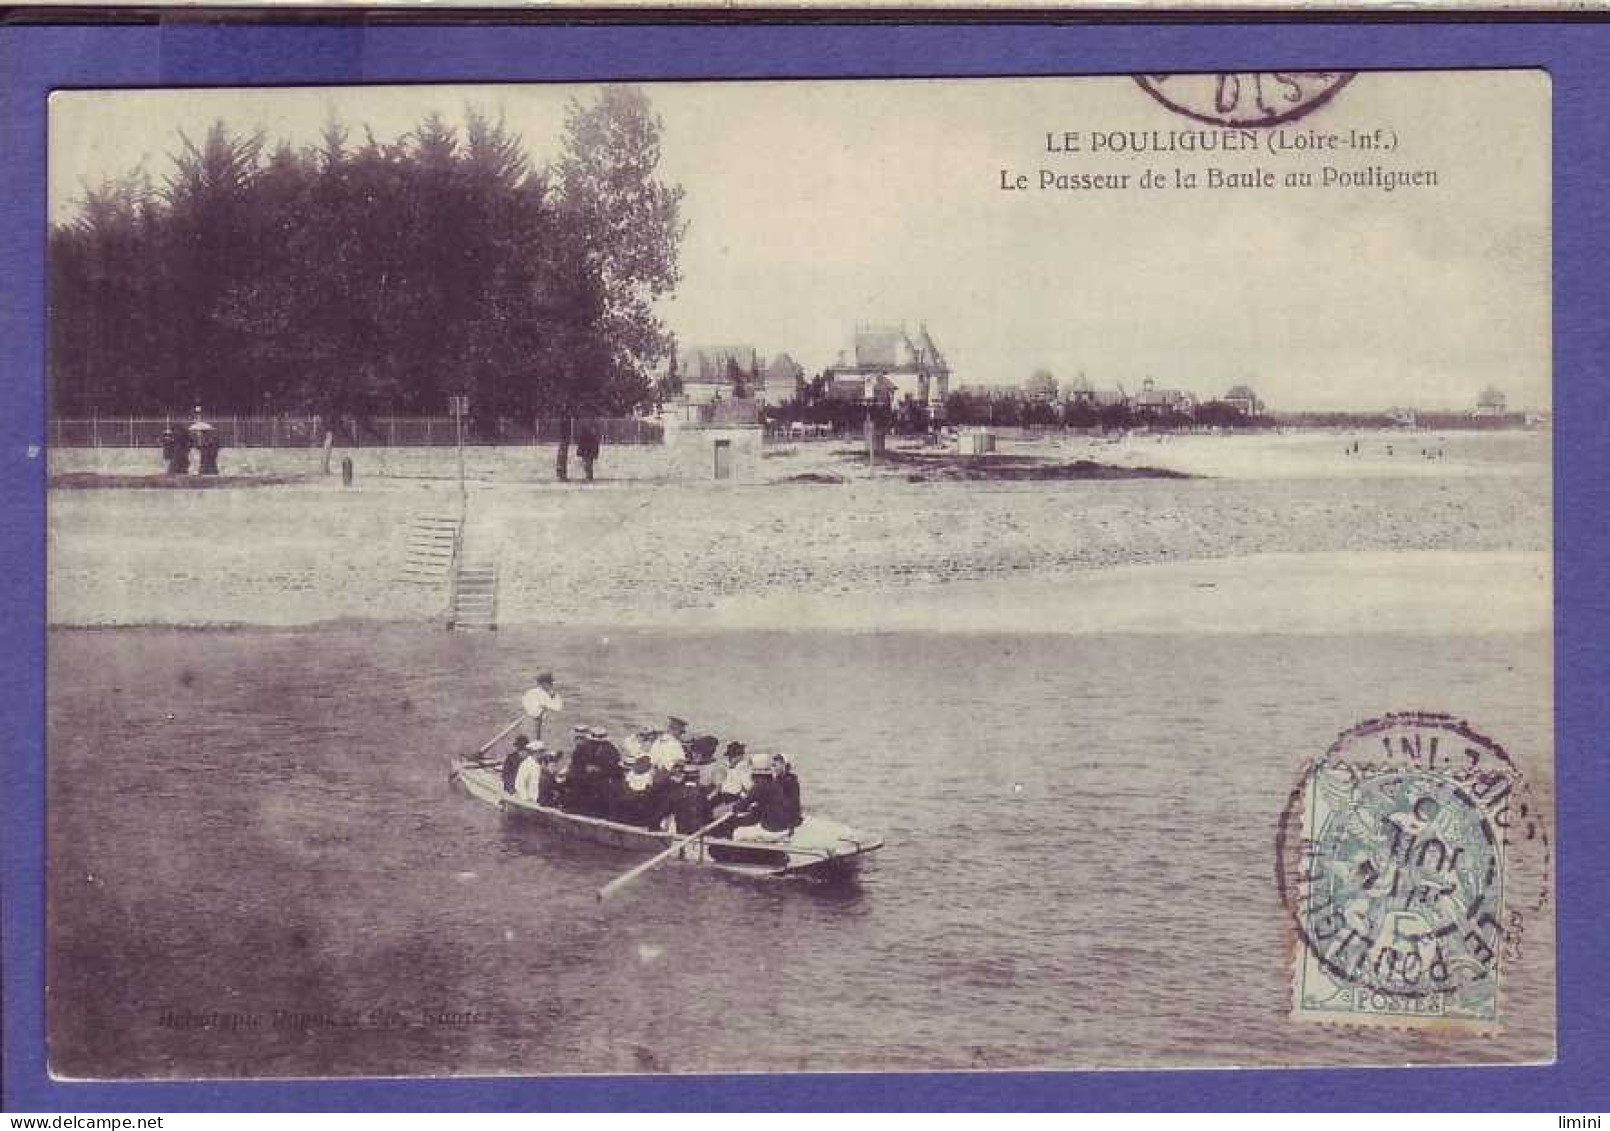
(1411, 859)
(1251, 98)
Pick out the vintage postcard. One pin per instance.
(728, 577)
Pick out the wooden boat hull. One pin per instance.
(819, 849)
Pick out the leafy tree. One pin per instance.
(630, 221)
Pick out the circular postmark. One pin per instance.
(1245, 98)
(1409, 858)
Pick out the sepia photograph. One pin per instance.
(800, 576)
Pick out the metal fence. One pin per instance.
(371, 432)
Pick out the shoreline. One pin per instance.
(1410, 594)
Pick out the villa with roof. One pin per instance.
(1161, 401)
(713, 373)
(1081, 392)
(1244, 400)
(887, 364)
(720, 373)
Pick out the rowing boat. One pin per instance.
(820, 848)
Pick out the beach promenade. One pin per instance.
(1431, 538)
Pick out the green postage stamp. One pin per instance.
(1412, 858)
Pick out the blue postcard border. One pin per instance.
(37, 59)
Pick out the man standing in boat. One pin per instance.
(540, 702)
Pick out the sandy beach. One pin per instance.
(1266, 533)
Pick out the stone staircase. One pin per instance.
(431, 547)
(473, 601)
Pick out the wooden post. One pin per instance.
(329, 443)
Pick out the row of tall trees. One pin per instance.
(358, 277)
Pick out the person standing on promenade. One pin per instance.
(540, 702)
(182, 442)
(209, 444)
(588, 441)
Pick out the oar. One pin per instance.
(496, 738)
(652, 862)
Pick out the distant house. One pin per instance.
(886, 364)
(711, 373)
(1492, 402)
(781, 378)
(1157, 400)
(1079, 392)
(1244, 400)
(1041, 387)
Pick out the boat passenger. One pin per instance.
(535, 776)
(640, 799)
(640, 741)
(578, 766)
(668, 753)
(688, 805)
(765, 816)
(711, 771)
(595, 766)
(605, 754)
(512, 760)
(540, 702)
(736, 780)
(563, 780)
(793, 812)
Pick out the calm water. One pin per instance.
(1079, 864)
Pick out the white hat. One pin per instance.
(761, 763)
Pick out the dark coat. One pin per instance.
(594, 772)
(645, 808)
(791, 811)
(608, 760)
(588, 441)
(581, 758)
(771, 805)
(689, 806)
(511, 767)
(548, 791)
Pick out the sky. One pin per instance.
(814, 206)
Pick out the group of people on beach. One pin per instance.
(655, 779)
(178, 439)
